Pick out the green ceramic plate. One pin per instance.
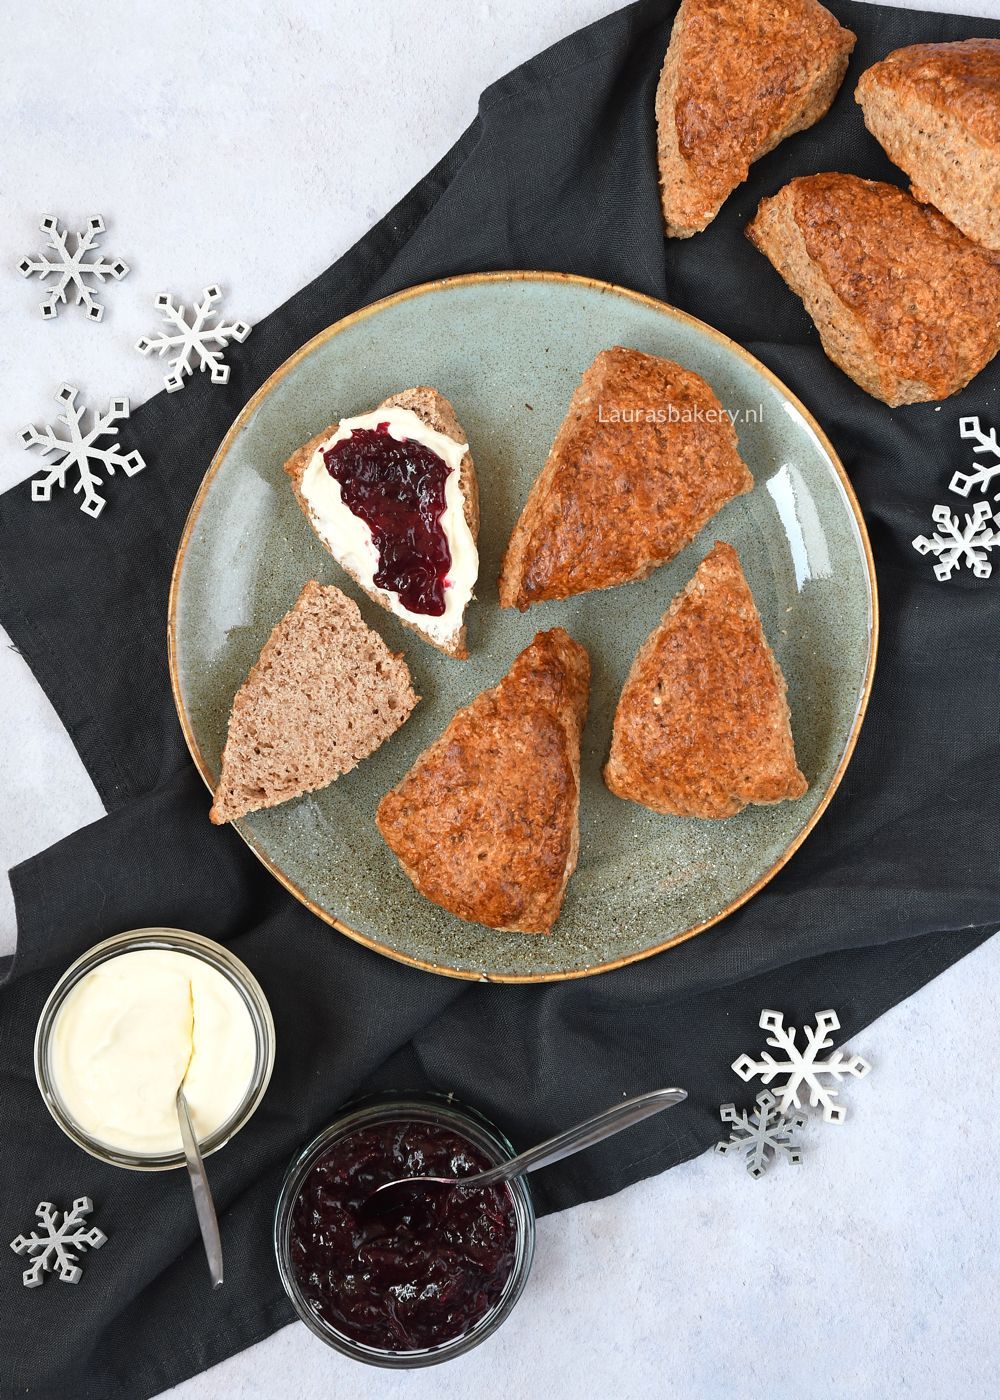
(508, 350)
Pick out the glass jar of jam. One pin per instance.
(430, 1278)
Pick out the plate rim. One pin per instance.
(663, 308)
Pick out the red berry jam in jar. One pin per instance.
(398, 490)
(419, 1277)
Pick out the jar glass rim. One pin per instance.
(419, 1106)
(175, 940)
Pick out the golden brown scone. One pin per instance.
(618, 496)
(739, 76)
(904, 303)
(435, 410)
(486, 822)
(936, 110)
(702, 725)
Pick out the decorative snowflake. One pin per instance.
(79, 450)
(194, 340)
(763, 1135)
(72, 269)
(53, 1250)
(982, 473)
(953, 542)
(804, 1070)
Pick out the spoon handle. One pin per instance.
(585, 1134)
(204, 1205)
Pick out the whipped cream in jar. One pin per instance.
(130, 1021)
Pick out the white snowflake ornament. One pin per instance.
(55, 1249)
(953, 542)
(763, 1135)
(982, 473)
(79, 450)
(73, 270)
(804, 1069)
(196, 343)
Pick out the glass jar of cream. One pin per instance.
(133, 1018)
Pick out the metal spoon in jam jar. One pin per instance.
(394, 1195)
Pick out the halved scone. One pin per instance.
(486, 822)
(392, 494)
(702, 726)
(739, 76)
(645, 456)
(325, 693)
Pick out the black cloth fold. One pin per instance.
(899, 879)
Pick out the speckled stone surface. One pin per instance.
(642, 879)
(869, 1272)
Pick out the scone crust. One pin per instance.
(904, 303)
(702, 726)
(486, 822)
(616, 499)
(738, 77)
(935, 108)
(960, 78)
(434, 410)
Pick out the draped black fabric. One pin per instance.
(899, 879)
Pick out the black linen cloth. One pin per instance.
(899, 879)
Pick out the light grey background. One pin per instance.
(251, 145)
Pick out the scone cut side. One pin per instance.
(433, 409)
(702, 727)
(486, 822)
(739, 76)
(325, 693)
(644, 457)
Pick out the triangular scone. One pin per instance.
(325, 693)
(903, 302)
(702, 726)
(426, 418)
(645, 456)
(486, 822)
(935, 108)
(739, 76)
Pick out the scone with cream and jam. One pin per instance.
(392, 495)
